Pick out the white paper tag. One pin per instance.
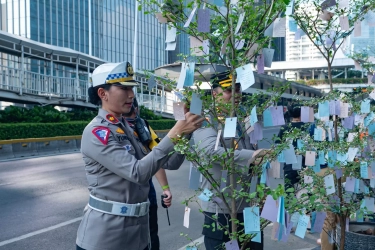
(178, 111)
(217, 139)
(230, 127)
(329, 184)
(186, 217)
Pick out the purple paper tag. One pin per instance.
(269, 211)
(348, 122)
(319, 221)
(287, 233)
(232, 245)
(260, 64)
(338, 173)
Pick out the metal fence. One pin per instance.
(41, 85)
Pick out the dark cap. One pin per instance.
(223, 79)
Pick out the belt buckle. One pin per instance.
(137, 209)
(143, 208)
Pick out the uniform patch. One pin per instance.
(120, 131)
(102, 133)
(124, 209)
(111, 118)
(128, 147)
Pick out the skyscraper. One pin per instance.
(100, 28)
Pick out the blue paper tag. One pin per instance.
(251, 220)
(267, 118)
(365, 106)
(364, 170)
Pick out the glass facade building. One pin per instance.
(99, 28)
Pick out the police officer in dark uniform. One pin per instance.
(118, 167)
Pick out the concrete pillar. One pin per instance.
(346, 72)
(313, 74)
(297, 76)
(22, 69)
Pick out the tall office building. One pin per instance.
(100, 28)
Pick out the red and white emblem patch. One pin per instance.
(102, 133)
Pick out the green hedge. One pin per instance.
(10, 131)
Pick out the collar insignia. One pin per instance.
(120, 131)
(102, 133)
(111, 118)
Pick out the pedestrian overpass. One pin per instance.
(40, 74)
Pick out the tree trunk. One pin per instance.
(342, 217)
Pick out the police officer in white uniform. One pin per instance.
(118, 167)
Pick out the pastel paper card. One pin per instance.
(151, 82)
(160, 18)
(251, 220)
(317, 166)
(356, 186)
(196, 46)
(257, 134)
(253, 184)
(300, 144)
(279, 27)
(205, 195)
(289, 8)
(318, 134)
(239, 23)
(269, 30)
(264, 176)
(372, 94)
(350, 184)
(189, 79)
(323, 109)
(186, 217)
(310, 158)
(245, 76)
(290, 155)
(218, 139)
(342, 157)
(352, 152)
(298, 164)
(223, 181)
(295, 218)
(329, 184)
(307, 179)
(344, 109)
(338, 172)
(206, 47)
(269, 211)
(351, 137)
(203, 20)
(171, 34)
(257, 237)
(368, 119)
(365, 106)
(253, 116)
(319, 221)
(334, 107)
(268, 57)
(267, 118)
(322, 160)
(182, 77)
(178, 111)
(364, 170)
(292, 25)
(332, 157)
(260, 64)
(191, 248)
(298, 34)
(232, 245)
(358, 120)
(302, 226)
(305, 114)
(369, 203)
(188, 21)
(311, 113)
(281, 157)
(277, 116)
(194, 178)
(196, 104)
(287, 232)
(344, 22)
(230, 127)
(348, 122)
(371, 129)
(238, 44)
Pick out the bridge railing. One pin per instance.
(72, 89)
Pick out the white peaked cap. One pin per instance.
(110, 73)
